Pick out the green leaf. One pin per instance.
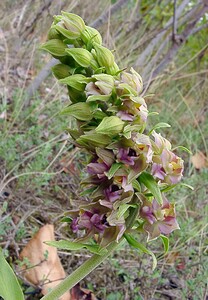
(140, 247)
(113, 169)
(80, 111)
(149, 181)
(9, 285)
(159, 125)
(183, 148)
(110, 126)
(73, 246)
(165, 241)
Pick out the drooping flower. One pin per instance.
(168, 167)
(159, 219)
(92, 222)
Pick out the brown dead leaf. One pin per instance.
(47, 271)
(78, 293)
(199, 160)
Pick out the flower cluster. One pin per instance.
(128, 163)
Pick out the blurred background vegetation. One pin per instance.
(167, 43)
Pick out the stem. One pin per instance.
(89, 265)
(80, 273)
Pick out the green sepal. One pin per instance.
(55, 47)
(110, 125)
(140, 247)
(74, 246)
(149, 181)
(80, 111)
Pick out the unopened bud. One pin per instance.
(105, 83)
(91, 35)
(61, 71)
(105, 57)
(133, 79)
(82, 56)
(55, 47)
(70, 25)
(53, 34)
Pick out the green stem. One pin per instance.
(80, 273)
(88, 266)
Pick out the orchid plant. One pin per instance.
(130, 167)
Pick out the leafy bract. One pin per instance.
(149, 181)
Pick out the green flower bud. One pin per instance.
(114, 69)
(61, 71)
(76, 81)
(70, 25)
(82, 56)
(55, 47)
(91, 35)
(105, 57)
(134, 80)
(110, 126)
(53, 34)
(104, 83)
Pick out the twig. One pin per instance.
(174, 22)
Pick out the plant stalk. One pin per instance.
(80, 273)
(89, 265)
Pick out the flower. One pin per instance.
(133, 79)
(158, 218)
(90, 221)
(170, 167)
(127, 156)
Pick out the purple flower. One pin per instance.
(170, 167)
(97, 169)
(90, 221)
(127, 156)
(112, 193)
(159, 218)
(125, 116)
